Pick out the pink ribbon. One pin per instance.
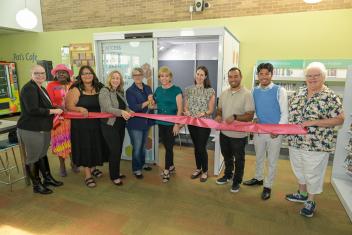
(278, 129)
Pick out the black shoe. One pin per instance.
(266, 193)
(252, 182)
(223, 180)
(118, 183)
(235, 188)
(147, 168)
(122, 176)
(139, 176)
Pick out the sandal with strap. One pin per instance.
(166, 176)
(97, 173)
(196, 174)
(204, 177)
(90, 182)
(172, 170)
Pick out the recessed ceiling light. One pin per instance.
(312, 1)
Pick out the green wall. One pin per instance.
(307, 35)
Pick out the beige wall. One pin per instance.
(76, 14)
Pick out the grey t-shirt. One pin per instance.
(235, 102)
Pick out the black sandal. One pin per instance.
(196, 174)
(90, 182)
(204, 177)
(172, 170)
(97, 173)
(166, 176)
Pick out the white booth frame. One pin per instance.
(340, 180)
(228, 56)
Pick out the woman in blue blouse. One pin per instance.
(168, 99)
(139, 96)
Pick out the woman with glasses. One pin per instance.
(34, 128)
(87, 142)
(317, 108)
(168, 99)
(140, 98)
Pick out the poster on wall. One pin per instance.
(81, 54)
(9, 91)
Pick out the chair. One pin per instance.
(7, 167)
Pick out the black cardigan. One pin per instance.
(35, 109)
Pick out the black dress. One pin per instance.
(87, 142)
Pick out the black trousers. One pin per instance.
(168, 140)
(200, 138)
(114, 136)
(230, 148)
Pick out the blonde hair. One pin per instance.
(108, 82)
(165, 69)
(317, 65)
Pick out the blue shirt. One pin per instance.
(267, 107)
(135, 97)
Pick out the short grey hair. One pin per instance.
(138, 69)
(317, 65)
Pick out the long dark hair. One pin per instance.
(95, 83)
(206, 82)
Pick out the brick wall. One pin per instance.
(75, 14)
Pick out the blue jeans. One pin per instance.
(138, 141)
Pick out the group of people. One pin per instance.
(91, 142)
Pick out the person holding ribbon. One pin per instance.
(317, 108)
(199, 103)
(61, 134)
(235, 104)
(168, 99)
(112, 100)
(88, 145)
(140, 99)
(270, 102)
(33, 130)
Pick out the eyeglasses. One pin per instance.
(308, 76)
(137, 75)
(38, 73)
(84, 74)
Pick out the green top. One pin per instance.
(166, 101)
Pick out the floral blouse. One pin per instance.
(322, 105)
(198, 99)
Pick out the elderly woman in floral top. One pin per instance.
(199, 103)
(318, 109)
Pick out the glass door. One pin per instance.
(124, 55)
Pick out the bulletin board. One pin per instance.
(81, 54)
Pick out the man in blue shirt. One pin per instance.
(270, 101)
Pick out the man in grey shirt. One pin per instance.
(235, 104)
